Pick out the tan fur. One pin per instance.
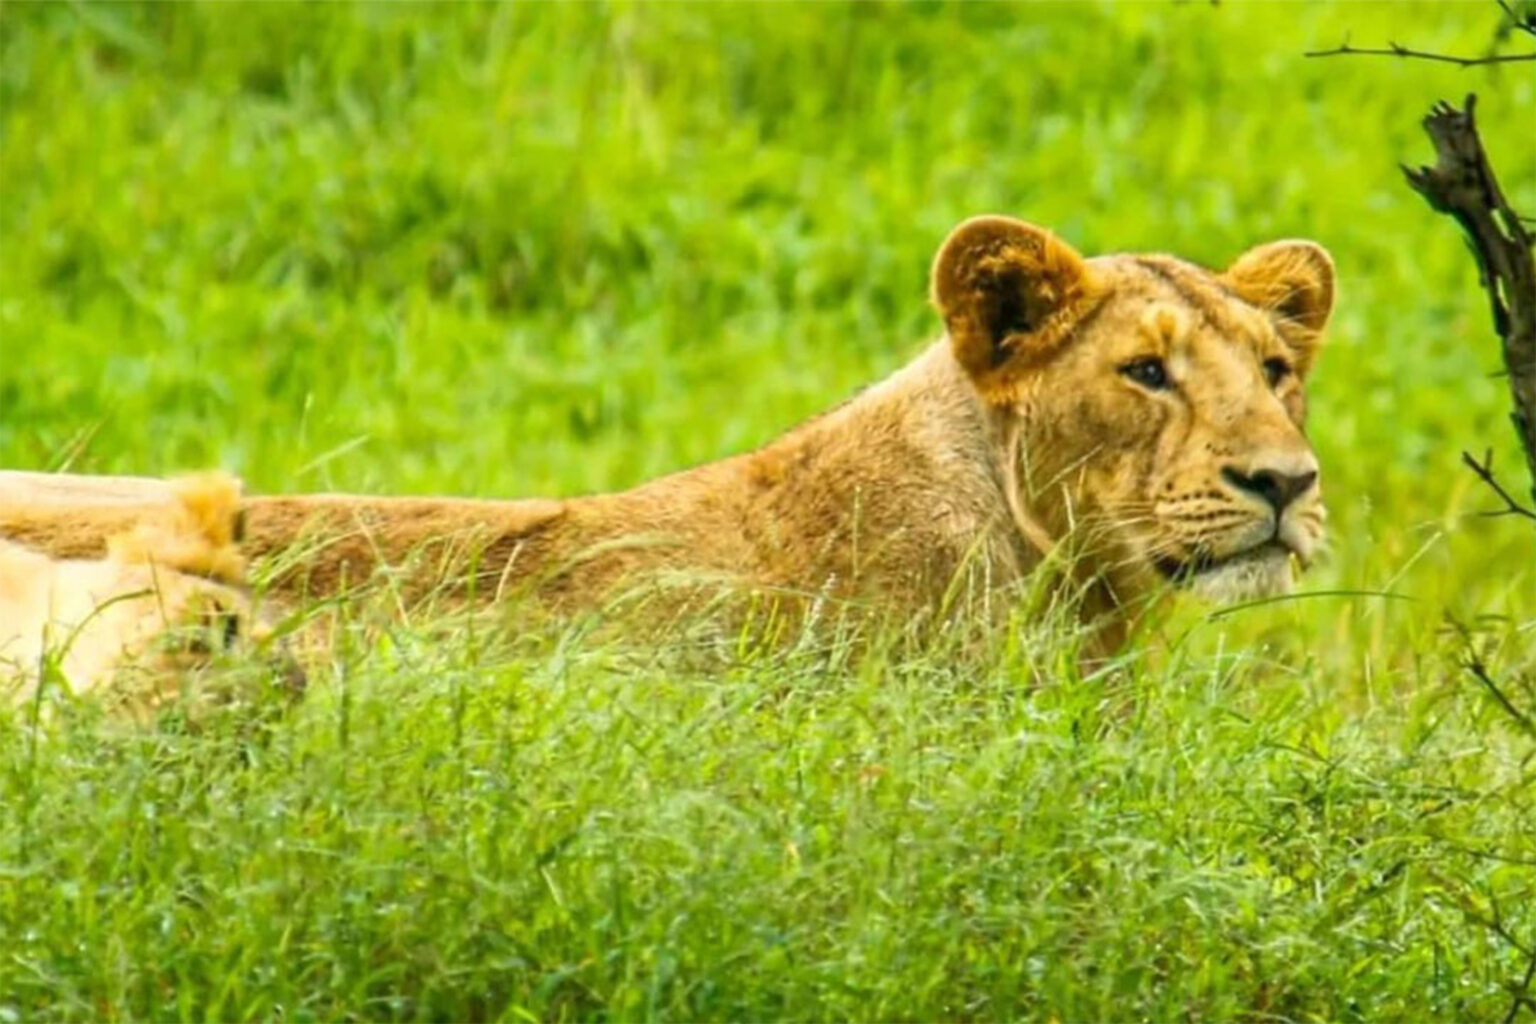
(1020, 435)
(165, 593)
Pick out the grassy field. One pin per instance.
(526, 249)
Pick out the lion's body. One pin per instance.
(1144, 409)
(895, 490)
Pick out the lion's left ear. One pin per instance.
(1010, 294)
(1293, 281)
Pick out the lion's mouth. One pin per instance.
(1187, 570)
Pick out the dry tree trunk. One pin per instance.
(1462, 184)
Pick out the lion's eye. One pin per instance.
(1276, 370)
(1148, 371)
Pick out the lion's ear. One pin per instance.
(1009, 293)
(1293, 281)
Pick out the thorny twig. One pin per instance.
(1484, 471)
(1494, 923)
(1524, 22)
(1523, 996)
(1474, 664)
(1479, 671)
(1396, 50)
(1514, 20)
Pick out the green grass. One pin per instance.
(516, 250)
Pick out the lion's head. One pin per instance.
(1157, 406)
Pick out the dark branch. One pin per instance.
(1525, 23)
(1396, 50)
(1522, 996)
(1479, 671)
(1462, 184)
(1497, 927)
(1484, 471)
(1474, 664)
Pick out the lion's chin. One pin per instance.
(1264, 571)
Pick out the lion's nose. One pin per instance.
(1276, 486)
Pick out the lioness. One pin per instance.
(1142, 410)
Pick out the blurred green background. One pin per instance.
(530, 249)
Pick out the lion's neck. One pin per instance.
(1110, 588)
(940, 477)
(901, 487)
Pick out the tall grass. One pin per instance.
(514, 250)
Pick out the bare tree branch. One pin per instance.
(1514, 21)
(1522, 22)
(1462, 184)
(1522, 995)
(1484, 471)
(1474, 664)
(1397, 50)
(1479, 671)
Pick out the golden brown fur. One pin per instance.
(165, 595)
(1039, 424)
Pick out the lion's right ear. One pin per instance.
(1010, 294)
(1293, 281)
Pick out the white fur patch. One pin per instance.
(1263, 573)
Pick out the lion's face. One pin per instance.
(1160, 405)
